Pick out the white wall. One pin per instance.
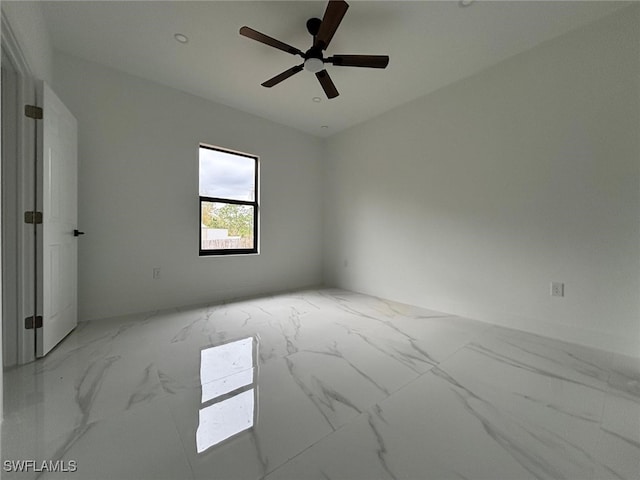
(473, 199)
(138, 195)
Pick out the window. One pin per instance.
(228, 202)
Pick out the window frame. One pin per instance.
(254, 204)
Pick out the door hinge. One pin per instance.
(33, 322)
(34, 112)
(33, 217)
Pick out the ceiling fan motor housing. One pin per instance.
(313, 60)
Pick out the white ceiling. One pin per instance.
(431, 44)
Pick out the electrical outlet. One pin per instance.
(557, 289)
(156, 273)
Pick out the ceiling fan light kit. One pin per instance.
(314, 65)
(314, 60)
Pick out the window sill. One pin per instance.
(227, 254)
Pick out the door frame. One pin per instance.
(19, 303)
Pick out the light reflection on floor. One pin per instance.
(228, 391)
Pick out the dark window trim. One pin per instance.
(254, 204)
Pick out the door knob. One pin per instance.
(77, 233)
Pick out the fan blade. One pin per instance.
(283, 76)
(272, 42)
(327, 85)
(330, 22)
(367, 61)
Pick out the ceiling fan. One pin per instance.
(322, 32)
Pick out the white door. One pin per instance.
(56, 244)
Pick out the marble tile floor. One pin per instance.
(320, 384)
